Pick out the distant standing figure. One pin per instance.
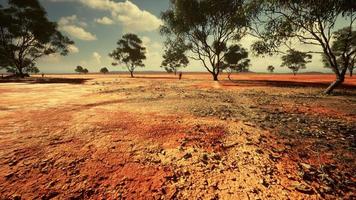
(42, 75)
(180, 75)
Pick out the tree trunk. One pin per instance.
(215, 76)
(131, 73)
(20, 73)
(351, 70)
(333, 85)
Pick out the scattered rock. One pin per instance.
(303, 188)
(187, 156)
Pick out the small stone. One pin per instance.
(264, 183)
(16, 197)
(305, 166)
(9, 175)
(303, 188)
(187, 156)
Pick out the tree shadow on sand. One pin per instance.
(274, 83)
(157, 77)
(31, 80)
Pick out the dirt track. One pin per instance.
(155, 137)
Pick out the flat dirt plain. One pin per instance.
(155, 137)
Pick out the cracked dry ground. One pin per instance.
(120, 138)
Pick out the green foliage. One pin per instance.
(295, 60)
(33, 70)
(270, 68)
(174, 57)
(310, 22)
(26, 35)
(236, 59)
(344, 48)
(129, 52)
(81, 70)
(206, 26)
(85, 71)
(104, 70)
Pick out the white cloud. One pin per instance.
(73, 49)
(104, 20)
(97, 57)
(74, 27)
(52, 58)
(131, 17)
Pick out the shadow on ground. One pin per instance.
(157, 77)
(44, 80)
(254, 83)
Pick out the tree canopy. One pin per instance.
(236, 59)
(26, 34)
(79, 69)
(174, 57)
(295, 60)
(130, 52)
(104, 70)
(206, 26)
(310, 22)
(344, 46)
(270, 68)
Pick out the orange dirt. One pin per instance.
(155, 137)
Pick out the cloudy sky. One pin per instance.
(96, 25)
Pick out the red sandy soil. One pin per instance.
(155, 137)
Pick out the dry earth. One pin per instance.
(155, 137)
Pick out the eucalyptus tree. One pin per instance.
(206, 27)
(270, 68)
(104, 70)
(26, 35)
(79, 69)
(236, 60)
(344, 46)
(130, 52)
(174, 57)
(310, 22)
(295, 60)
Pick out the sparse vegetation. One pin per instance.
(295, 60)
(344, 47)
(270, 68)
(309, 22)
(242, 136)
(236, 60)
(104, 70)
(79, 69)
(130, 52)
(174, 57)
(206, 27)
(26, 35)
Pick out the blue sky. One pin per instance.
(96, 25)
